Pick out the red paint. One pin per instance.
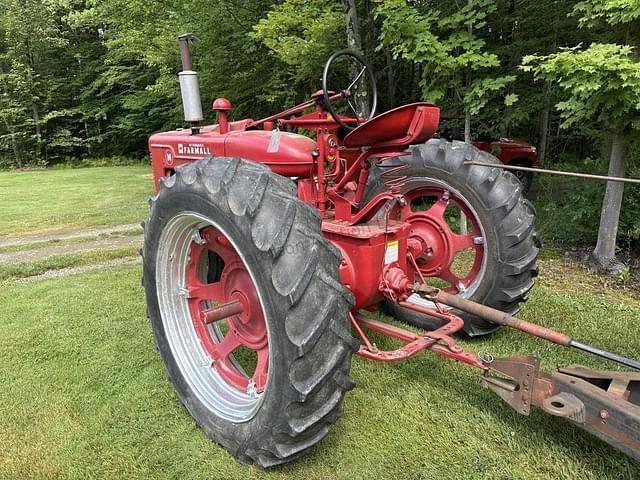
(363, 249)
(223, 107)
(237, 303)
(435, 244)
(414, 342)
(331, 173)
(400, 127)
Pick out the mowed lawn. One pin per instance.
(83, 392)
(60, 200)
(83, 395)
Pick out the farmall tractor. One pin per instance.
(265, 248)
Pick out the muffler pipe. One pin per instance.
(189, 85)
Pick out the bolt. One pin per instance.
(604, 414)
(445, 195)
(478, 240)
(197, 238)
(252, 391)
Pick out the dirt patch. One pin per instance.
(40, 253)
(61, 236)
(569, 272)
(63, 272)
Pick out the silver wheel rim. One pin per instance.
(195, 364)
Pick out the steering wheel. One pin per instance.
(357, 99)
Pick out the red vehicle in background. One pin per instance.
(510, 151)
(513, 151)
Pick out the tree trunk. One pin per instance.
(464, 227)
(391, 79)
(87, 137)
(36, 122)
(467, 114)
(10, 129)
(14, 144)
(604, 255)
(354, 42)
(467, 127)
(543, 131)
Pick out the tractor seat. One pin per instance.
(400, 127)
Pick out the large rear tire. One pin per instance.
(501, 219)
(266, 383)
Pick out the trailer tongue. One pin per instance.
(604, 403)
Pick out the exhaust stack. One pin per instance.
(189, 86)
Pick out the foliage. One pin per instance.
(602, 82)
(445, 43)
(86, 80)
(301, 35)
(93, 78)
(613, 12)
(569, 209)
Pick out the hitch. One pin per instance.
(604, 403)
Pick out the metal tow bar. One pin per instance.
(604, 403)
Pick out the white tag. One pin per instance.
(423, 302)
(391, 253)
(274, 143)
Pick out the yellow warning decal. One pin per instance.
(391, 252)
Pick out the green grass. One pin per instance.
(83, 395)
(60, 200)
(83, 392)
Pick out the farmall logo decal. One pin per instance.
(193, 149)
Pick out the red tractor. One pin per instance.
(264, 245)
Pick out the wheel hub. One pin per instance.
(249, 325)
(224, 308)
(436, 253)
(247, 328)
(426, 211)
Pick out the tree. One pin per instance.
(602, 84)
(450, 53)
(517, 29)
(301, 35)
(30, 72)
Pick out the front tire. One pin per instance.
(225, 231)
(498, 213)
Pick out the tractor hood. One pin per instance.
(287, 154)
